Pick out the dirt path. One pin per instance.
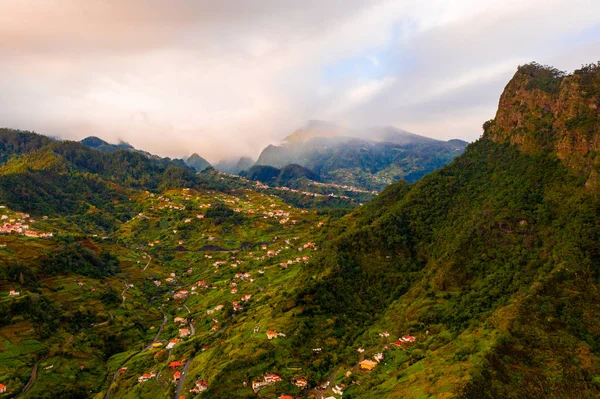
(123, 294)
(147, 264)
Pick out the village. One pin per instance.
(217, 291)
(20, 223)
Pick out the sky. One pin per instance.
(226, 78)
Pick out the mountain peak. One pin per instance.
(543, 108)
(315, 128)
(93, 142)
(197, 162)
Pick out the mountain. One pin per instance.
(365, 158)
(101, 145)
(234, 166)
(197, 162)
(492, 263)
(281, 177)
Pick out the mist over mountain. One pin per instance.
(234, 166)
(197, 162)
(368, 158)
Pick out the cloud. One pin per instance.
(226, 78)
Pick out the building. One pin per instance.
(175, 365)
(172, 343)
(272, 378)
(2, 388)
(180, 320)
(258, 385)
(271, 334)
(176, 376)
(184, 332)
(368, 365)
(181, 294)
(408, 338)
(301, 383)
(14, 293)
(200, 386)
(146, 376)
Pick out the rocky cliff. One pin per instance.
(543, 109)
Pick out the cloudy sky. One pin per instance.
(225, 78)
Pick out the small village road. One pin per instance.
(182, 378)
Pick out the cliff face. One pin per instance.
(544, 109)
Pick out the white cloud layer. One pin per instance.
(226, 78)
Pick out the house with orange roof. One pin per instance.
(184, 332)
(368, 365)
(271, 334)
(176, 376)
(2, 388)
(176, 364)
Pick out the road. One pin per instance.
(158, 333)
(191, 324)
(182, 379)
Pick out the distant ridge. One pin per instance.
(368, 158)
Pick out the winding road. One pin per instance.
(158, 333)
(182, 379)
